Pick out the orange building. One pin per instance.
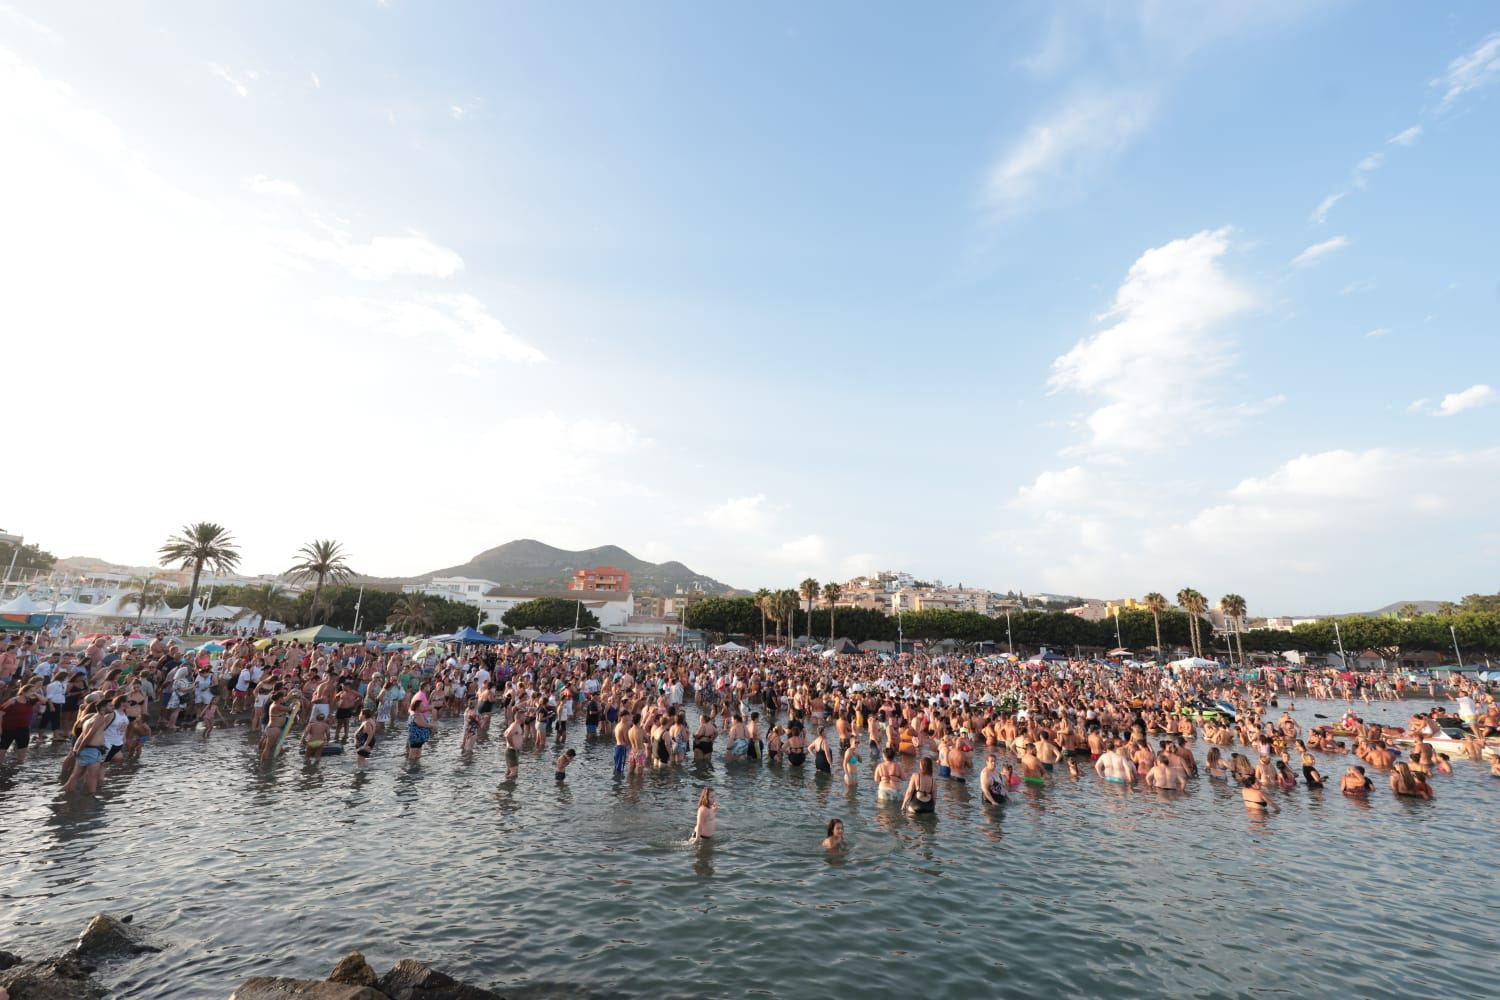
(607, 578)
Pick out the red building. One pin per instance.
(606, 578)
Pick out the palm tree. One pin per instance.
(1156, 604)
(1233, 607)
(321, 560)
(142, 591)
(199, 545)
(412, 613)
(809, 592)
(1407, 611)
(789, 610)
(1195, 604)
(264, 601)
(762, 602)
(831, 593)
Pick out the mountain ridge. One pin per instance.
(527, 564)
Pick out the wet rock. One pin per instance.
(8, 959)
(285, 988)
(410, 979)
(353, 968)
(107, 936)
(60, 978)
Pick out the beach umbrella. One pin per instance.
(398, 645)
(138, 641)
(212, 647)
(262, 643)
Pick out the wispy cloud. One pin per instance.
(29, 23)
(317, 81)
(1457, 402)
(261, 184)
(1406, 136)
(1471, 71)
(461, 320)
(1320, 214)
(1150, 366)
(1076, 136)
(1319, 250)
(380, 258)
(1379, 331)
(222, 72)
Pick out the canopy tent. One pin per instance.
(321, 633)
(730, 647)
(11, 625)
(22, 604)
(470, 634)
(76, 607)
(842, 646)
(1047, 658)
(1193, 662)
(223, 612)
(549, 638)
(118, 606)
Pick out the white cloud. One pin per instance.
(553, 434)
(382, 257)
(30, 23)
(261, 184)
(222, 72)
(809, 552)
(462, 320)
(317, 81)
(457, 111)
(1417, 406)
(1320, 214)
(1379, 331)
(1072, 139)
(1318, 250)
(1149, 366)
(739, 514)
(1468, 399)
(1471, 71)
(1407, 136)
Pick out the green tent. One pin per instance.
(320, 633)
(11, 625)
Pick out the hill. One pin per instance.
(1423, 608)
(526, 564)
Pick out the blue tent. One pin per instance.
(550, 638)
(470, 634)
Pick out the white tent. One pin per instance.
(730, 647)
(1194, 663)
(77, 607)
(223, 612)
(22, 604)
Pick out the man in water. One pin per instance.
(515, 735)
(1114, 766)
(622, 743)
(1163, 776)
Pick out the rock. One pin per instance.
(353, 968)
(107, 936)
(285, 988)
(61, 978)
(8, 959)
(410, 979)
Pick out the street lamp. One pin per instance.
(900, 632)
(1010, 647)
(15, 542)
(1343, 661)
(1456, 654)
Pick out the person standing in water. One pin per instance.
(921, 789)
(706, 823)
(835, 839)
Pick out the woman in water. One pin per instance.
(1405, 783)
(796, 747)
(819, 750)
(1356, 782)
(835, 839)
(1255, 799)
(991, 784)
(851, 764)
(1214, 765)
(1284, 776)
(704, 826)
(888, 777)
(921, 789)
(1310, 771)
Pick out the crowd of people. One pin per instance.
(904, 722)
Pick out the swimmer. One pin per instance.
(920, 790)
(1255, 799)
(364, 737)
(991, 784)
(835, 839)
(851, 764)
(707, 821)
(1356, 782)
(888, 777)
(561, 767)
(315, 738)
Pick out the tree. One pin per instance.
(1233, 607)
(1156, 604)
(321, 560)
(550, 614)
(490, 629)
(831, 594)
(268, 602)
(31, 559)
(1407, 611)
(1195, 604)
(412, 613)
(142, 591)
(809, 592)
(199, 545)
(763, 603)
(724, 616)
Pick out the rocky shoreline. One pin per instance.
(70, 975)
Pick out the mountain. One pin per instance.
(1423, 608)
(526, 564)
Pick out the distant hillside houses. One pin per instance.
(892, 592)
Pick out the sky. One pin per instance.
(1093, 298)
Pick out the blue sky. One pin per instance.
(1097, 298)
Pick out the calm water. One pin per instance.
(1078, 889)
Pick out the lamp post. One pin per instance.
(577, 617)
(1343, 660)
(900, 632)
(358, 602)
(1010, 647)
(1119, 643)
(1456, 654)
(15, 543)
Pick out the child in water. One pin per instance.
(314, 739)
(561, 767)
(835, 839)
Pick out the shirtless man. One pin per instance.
(1114, 766)
(314, 739)
(1047, 752)
(345, 703)
(1163, 776)
(515, 736)
(322, 698)
(622, 743)
(1031, 764)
